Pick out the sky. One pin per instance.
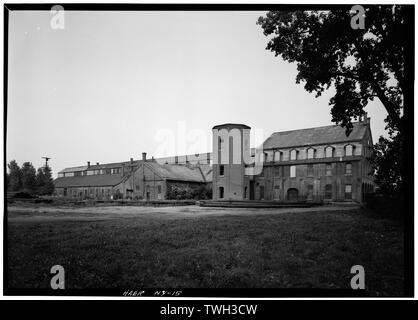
(112, 85)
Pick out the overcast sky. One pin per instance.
(111, 85)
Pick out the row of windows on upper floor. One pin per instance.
(310, 153)
(278, 171)
(90, 172)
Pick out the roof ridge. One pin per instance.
(320, 127)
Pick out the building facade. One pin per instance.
(146, 179)
(320, 164)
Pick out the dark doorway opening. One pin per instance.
(251, 190)
(292, 194)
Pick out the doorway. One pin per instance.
(292, 194)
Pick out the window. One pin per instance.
(159, 189)
(277, 156)
(265, 157)
(348, 168)
(349, 150)
(328, 169)
(221, 192)
(310, 192)
(293, 155)
(137, 187)
(348, 191)
(220, 144)
(310, 170)
(277, 172)
(329, 152)
(292, 171)
(221, 170)
(261, 192)
(311, 153)
(108, 171)
(328, 191)
(77, 173)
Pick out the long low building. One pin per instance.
(320, 164)
(147, 179)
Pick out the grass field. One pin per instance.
(193, 247)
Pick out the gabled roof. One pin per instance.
(315, 136)
(89, 181)
(74, 169)
(176, 172)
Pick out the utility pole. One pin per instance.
(46, 161)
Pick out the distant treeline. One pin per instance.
(28, 179)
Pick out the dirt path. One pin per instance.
(24, 213)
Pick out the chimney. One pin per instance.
(97, 163)
(132, 160)
(144, 156)
(88, 164)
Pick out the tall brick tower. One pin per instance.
(231, 149)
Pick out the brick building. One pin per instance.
(316, 164)
(147, 179)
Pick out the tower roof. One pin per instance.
(231, 125)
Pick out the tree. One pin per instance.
(28, 177)
(44, 181)
(387, 163)
(15, 177)
(360, 64)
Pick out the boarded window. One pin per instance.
(348, 168)
(328, 191)
(311, 153)
(310, 192)
(348, 191)
(328, 169)
(310, 170)
(261, 192)
(292, 171)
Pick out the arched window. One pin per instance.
(329, 152)
(311, 153)
(293, 154)
(349, 150)
(277, 156)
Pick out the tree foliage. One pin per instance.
(14, 177)
(360, 64)
(27, 179)
(44, 181)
